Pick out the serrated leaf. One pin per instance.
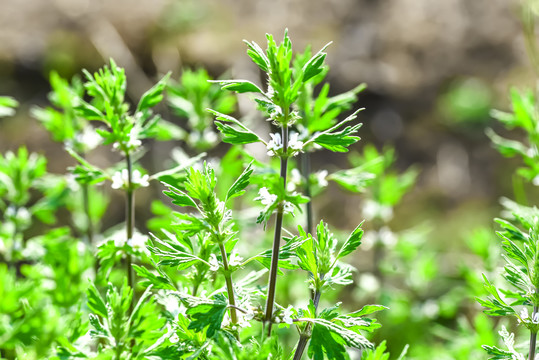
(99, 330)
(338, 141)
(352, 242)
(235, 136)
(238, 188)
(286, 254)
(257, 55)
(90, 112)
(171, 255)
(307, 256)
(157, 281)
(7, 106)
(524, 109)
(335, 140)
(507, 147)
(208, 314)
(239, 86)
(315, 65)
(367, 310)
(178, 197)
(329, 339)
(154, 95)
(95, 302)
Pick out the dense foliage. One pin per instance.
(235, 263)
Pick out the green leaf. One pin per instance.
(524, 108)
(235, 136)
(178, 197)
(507, 147)
(154, 95)
(90, 112)
(239, 86)
(315, 65)
(367, 310)
(207, 313)
(157, 281)
(306, 254)
(171, 254)
(329, 339)
(499, 354)
(325, 344)
(495, 305)
(86, 173)
(337, 140)
(99, 331)
(257, 55)
(286, 255)
(353, 241)
(7, 106)
(238, 188)
(95, 301)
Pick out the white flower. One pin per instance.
(275, 144)
(430, 308)
(133, 141)
(72, 183)
(33, 250)
(120, 179)
(524, 315)
(138, 241)
(119, 242)
(535, 180)
(387, 237)
(265, 197)
(288, 207)
(294, 181)
(89, 138)
(372, 209)
(250, 314)
(244, 321)
(287, 315)
(226, 321)
(294, 143)
(214, 264)
(139, 179)
(321, 178)
(369, 239)
(235, 259)
(174, 338)
(369, 283)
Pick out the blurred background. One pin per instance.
(434, 70)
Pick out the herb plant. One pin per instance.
(519, 237)
(200, 293)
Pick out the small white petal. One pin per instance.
(321, 178)
(214, 264)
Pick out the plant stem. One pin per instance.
(270, 301)
(306, 172)
(229, 288)
(306, 334)
(86, 207)
(533, 341)
(533, 335)
(130, 224)
(89, 224)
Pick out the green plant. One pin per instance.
(518, 235)
(204, 296)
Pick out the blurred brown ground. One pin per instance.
(409, 52)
